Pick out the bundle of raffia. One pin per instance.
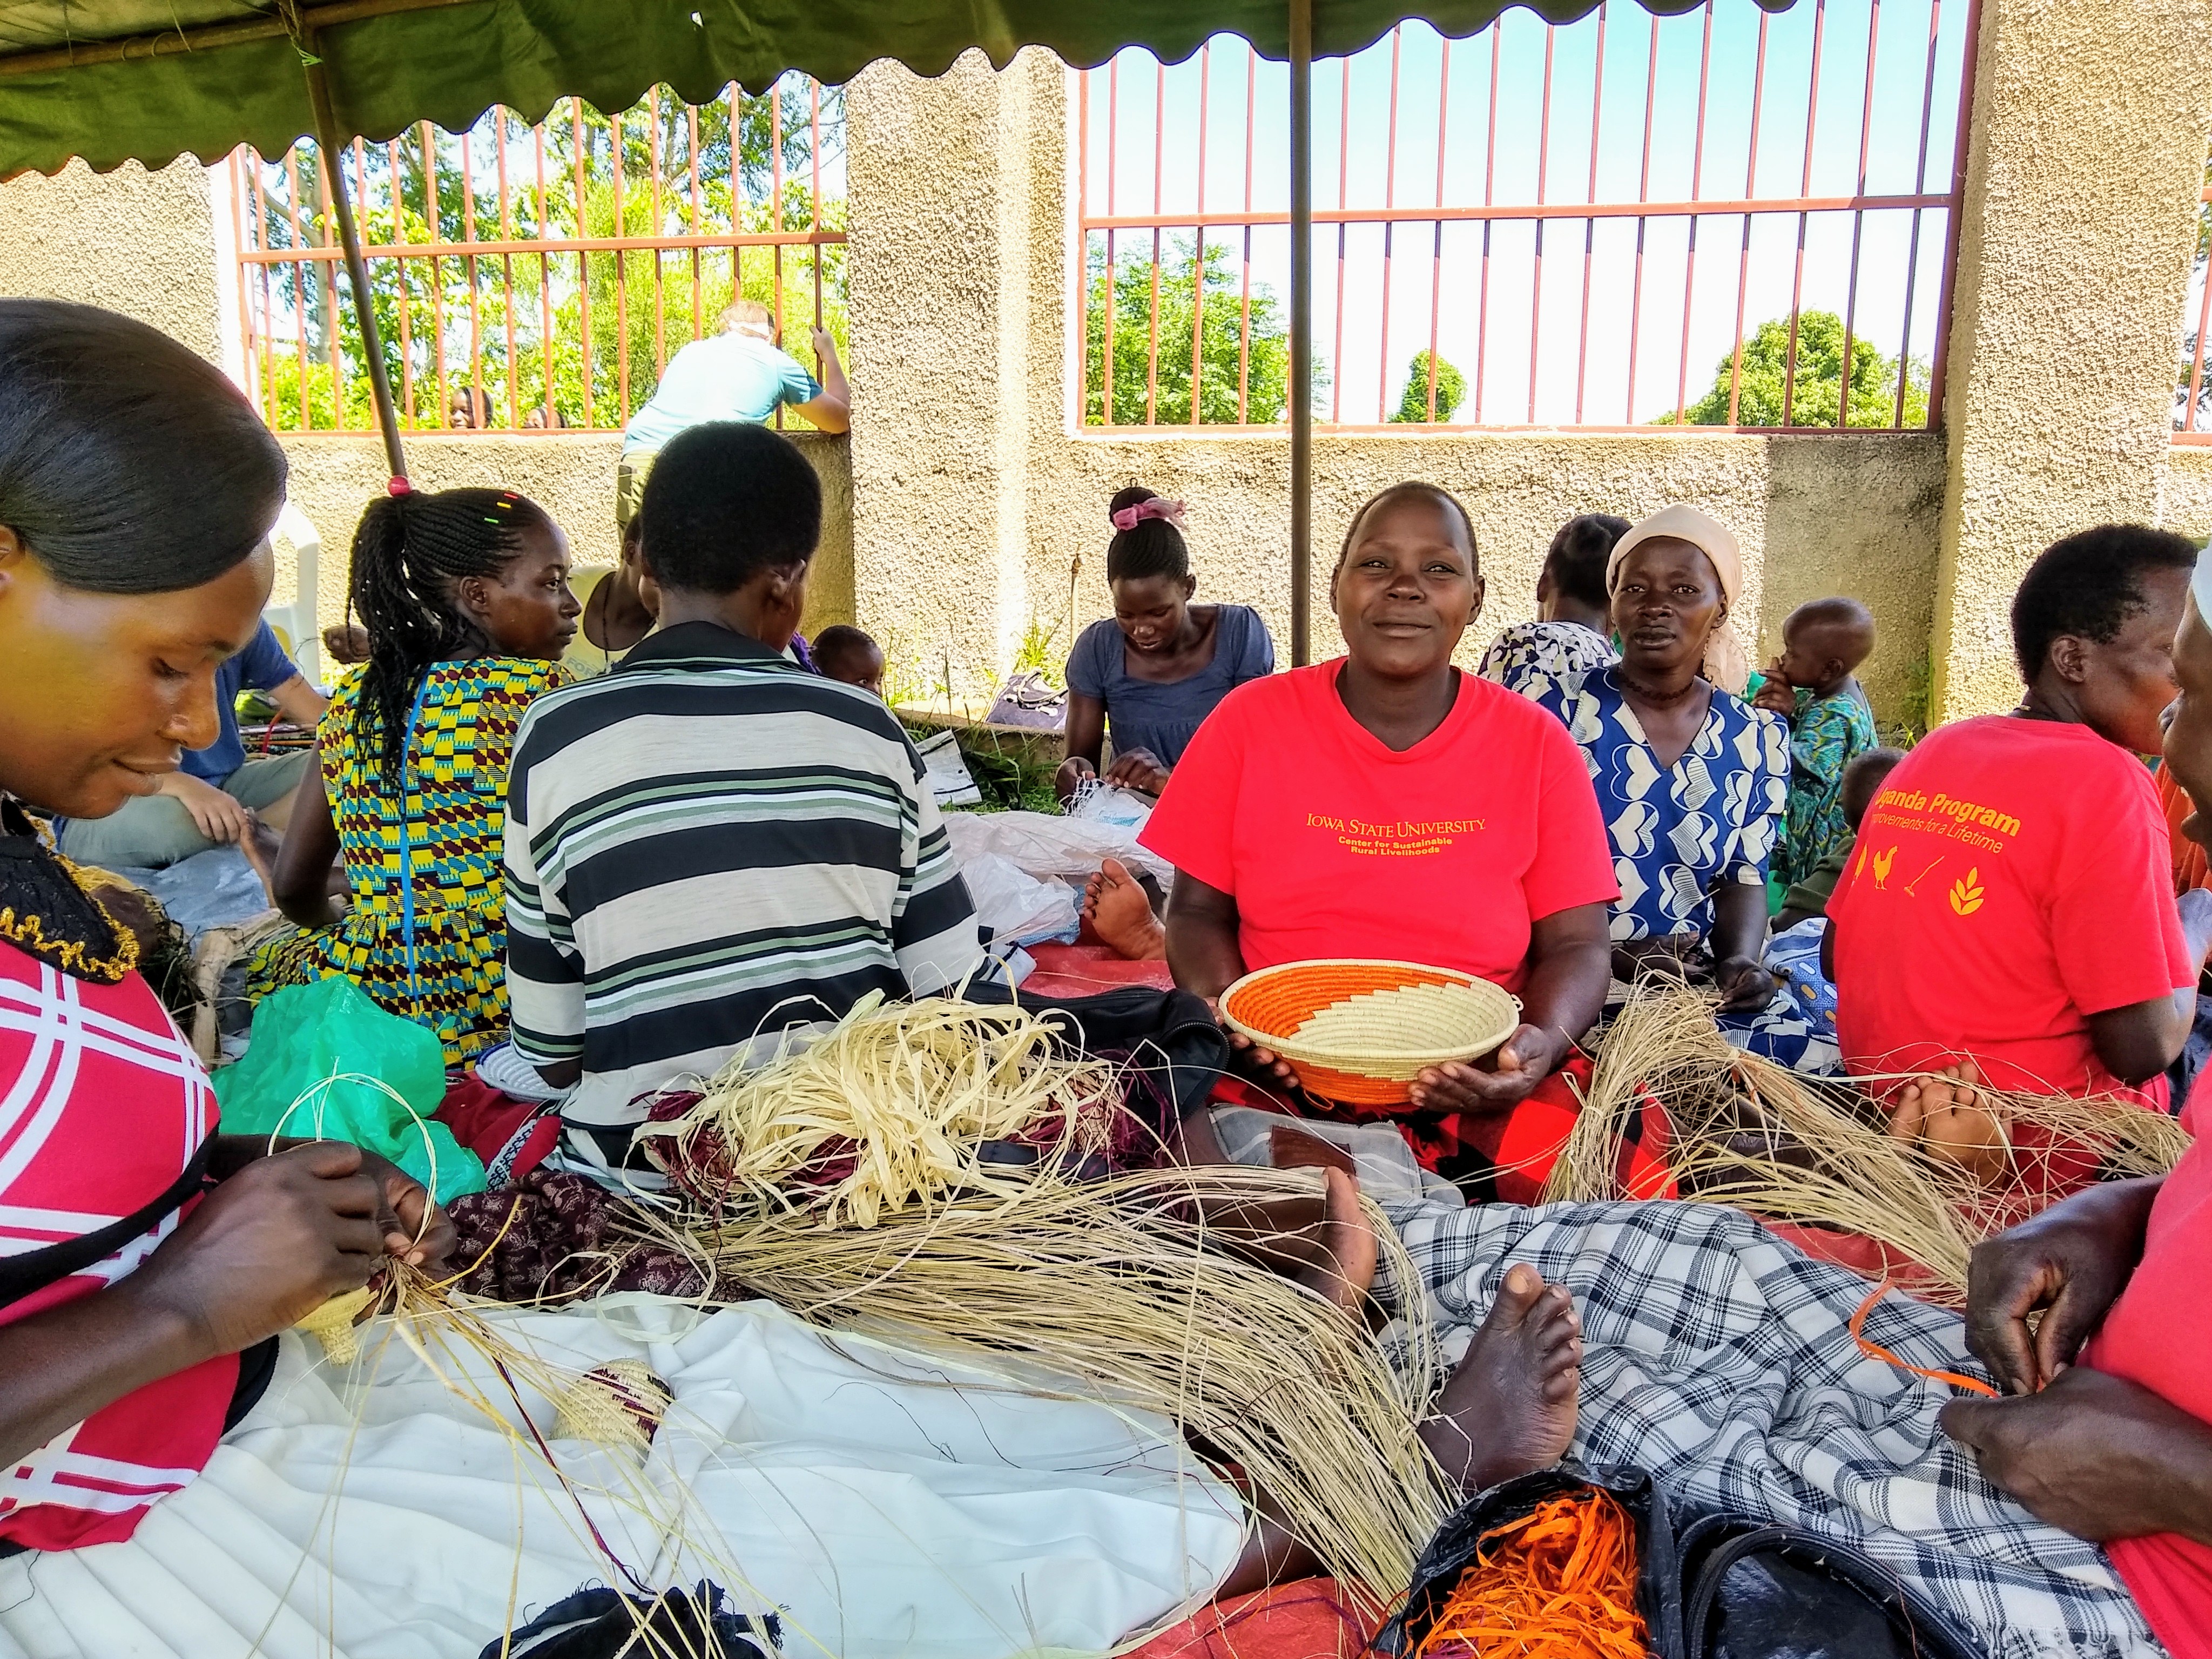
(1746, 1132)
(894, 1104)
(1124, 1288)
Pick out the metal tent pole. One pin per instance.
(372, 341)
(1301, 331)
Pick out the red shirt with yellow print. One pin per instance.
(1334, 844)
(2012, 878)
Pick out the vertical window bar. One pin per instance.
(1858, 215)
(1437, 244)
(1743, 258)
(1919, 187)
(1697, 190)
(1389, 230)
(1805, 189)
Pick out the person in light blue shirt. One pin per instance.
(738, 375)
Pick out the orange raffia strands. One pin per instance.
(1875, 1351)
(1559, 1583)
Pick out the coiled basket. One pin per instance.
(1360, 1031)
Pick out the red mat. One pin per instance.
(1301, 1620)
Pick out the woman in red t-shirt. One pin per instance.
(2118, 1448)
(2010, 904)
(1386, 805)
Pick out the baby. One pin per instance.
(844, 653)
(1811, 686)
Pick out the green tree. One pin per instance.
(737, 177)
(1817, 383)
(1264, 356)
(1451, 389)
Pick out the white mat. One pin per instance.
(884, 1502)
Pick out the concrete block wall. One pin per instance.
(968, 506)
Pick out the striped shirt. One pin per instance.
(706, 846)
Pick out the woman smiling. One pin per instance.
(1431, 817)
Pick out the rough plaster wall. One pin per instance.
(572, 477)
(2189, 491)
(137, 242)
(2088, 156)
(936, 179)
(1816, 515)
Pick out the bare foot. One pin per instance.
(1510, 1406)
(1120, 914)
(1946, 1114)
(1345, 1250)
(259, 843)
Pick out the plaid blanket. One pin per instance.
(1718, 1357)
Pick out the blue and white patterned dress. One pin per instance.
(1532, 657)
(1715, 818)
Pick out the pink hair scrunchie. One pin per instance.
(1130, 517)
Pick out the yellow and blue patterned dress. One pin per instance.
(452, 826)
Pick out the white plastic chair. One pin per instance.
(295, 621)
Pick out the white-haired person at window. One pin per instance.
(738, 374)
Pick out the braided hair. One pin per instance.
(410, 555)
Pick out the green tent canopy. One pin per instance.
(149, 79)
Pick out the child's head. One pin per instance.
(1573, 576)
(1823, 641)
(1863, 780)
(844, 653)
(733, 512)
(437, 575)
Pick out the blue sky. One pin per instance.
(1352, 163)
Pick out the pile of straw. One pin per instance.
(889, 1106)
(1121, 1288)
(1746, 1132)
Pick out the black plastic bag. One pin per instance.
(1709, 1586)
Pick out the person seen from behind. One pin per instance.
(1573, 630)
(1863, 780)
(2009, 915)
(1812, 687)
(465, 593)
(1151, 673)
(737, 373)
(714, 806)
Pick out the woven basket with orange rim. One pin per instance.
(1359, 1032)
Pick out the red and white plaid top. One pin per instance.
(103, 1106)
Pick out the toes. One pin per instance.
(1518, 1294)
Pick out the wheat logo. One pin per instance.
(1967, 893)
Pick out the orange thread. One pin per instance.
(1875, 1351)
(1561, 1584)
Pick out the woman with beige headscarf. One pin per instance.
(1692, 780)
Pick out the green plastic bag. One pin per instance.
(310, 1042)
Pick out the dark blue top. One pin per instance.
(1161, 717)
(262, 666)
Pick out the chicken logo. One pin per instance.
(1881, 863)
(1967, 893)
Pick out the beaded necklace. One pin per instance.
(47, 909)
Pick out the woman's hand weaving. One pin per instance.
(2099, 1457)
(267, 1247)
(2069, 1263)
(415, 1229)
(1525, 1059)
